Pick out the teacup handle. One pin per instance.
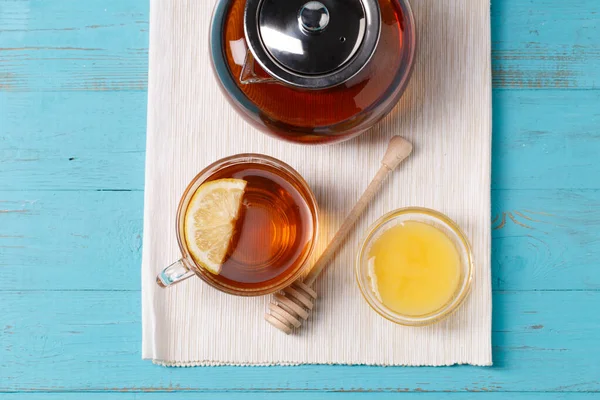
(174, 273)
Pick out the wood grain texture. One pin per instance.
(71, 45)
(546, 140)
(59, 252)
(546, 44)
(540, 142)
(92, 141)
(149, 394)
(100, 45)
(543, 240)
(90, 341)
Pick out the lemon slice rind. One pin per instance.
(210, 221)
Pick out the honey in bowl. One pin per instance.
(415, 266)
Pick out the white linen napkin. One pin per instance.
(446, 113)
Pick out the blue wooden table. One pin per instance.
(72, 138)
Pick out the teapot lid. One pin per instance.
(312, 44)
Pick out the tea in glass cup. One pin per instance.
(246, 225)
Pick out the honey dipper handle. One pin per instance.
(398, 150)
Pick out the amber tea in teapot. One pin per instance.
(313, 71)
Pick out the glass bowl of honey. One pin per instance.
(415, 266)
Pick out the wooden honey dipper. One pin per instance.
(291, 307)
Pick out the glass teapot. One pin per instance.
(313, 71)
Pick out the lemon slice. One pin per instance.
(210, 221)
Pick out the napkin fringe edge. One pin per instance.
(209, 363)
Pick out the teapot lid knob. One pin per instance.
(312, 44)
(313, 17)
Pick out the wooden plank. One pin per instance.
(90, 341)
(546, 142)
(545, 239)
(546, 44)
(303, 395)
(542, 240)
(98, 142)
(102, 45)
(92, 45)
(71, 240)
(540, 142)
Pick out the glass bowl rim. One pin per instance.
(467, 268)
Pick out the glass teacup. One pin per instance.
(273, 237)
